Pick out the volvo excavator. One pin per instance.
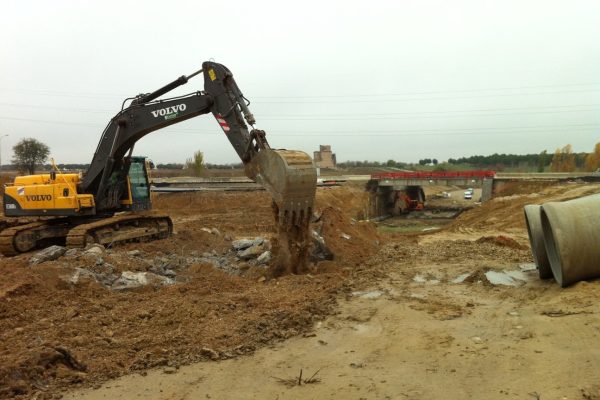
(111, 202)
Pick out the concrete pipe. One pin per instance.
(533, 218)
(572, 237)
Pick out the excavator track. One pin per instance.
(19, 239)
(23, 238)
(121, 228)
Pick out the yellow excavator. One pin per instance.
(110, 203)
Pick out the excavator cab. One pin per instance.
(137, 195)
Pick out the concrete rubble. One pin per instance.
(160, 270)
(131, 280)
(97, 262)
(48, 254)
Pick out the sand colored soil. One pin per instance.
(399, 325)
(420, 320)
(505, 211)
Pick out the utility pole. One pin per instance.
(1, 137)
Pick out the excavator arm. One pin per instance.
(289, 176)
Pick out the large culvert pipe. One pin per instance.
(572, 237)
(533, 218)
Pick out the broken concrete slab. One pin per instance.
(48, 254)
(242, 244)
(131, 280)
(134, 253)
(264, 258)
(373, 294)
(72, 253)
(251, 252)
(95, 250)
(320, 252)
(81, 274)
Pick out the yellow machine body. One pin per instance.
(46, 194)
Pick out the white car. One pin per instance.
(468, 195)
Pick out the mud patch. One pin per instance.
(502, 240)
(441, 308)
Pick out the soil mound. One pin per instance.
(502, 240)
(505, 211)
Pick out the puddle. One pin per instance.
(519, 275)
(506, 278)
(527, 267)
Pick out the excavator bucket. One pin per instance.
(291, 178)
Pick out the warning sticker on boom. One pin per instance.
(223, 123)
(212, 75)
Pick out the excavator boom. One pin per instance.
(289, 176)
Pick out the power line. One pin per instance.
(326, 96)
(450, 111)
(373, 131)
(369, 116)
(412, 134)
(389, 117)
(418, 93)
(49, 121)
(52, 93)
(45, 107)
(424, 99)
(345, 131)
(486, 131)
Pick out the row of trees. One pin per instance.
(506, 160)
(206, 166)
(563, 160)
(29, 153)
(366, 163)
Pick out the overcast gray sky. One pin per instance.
(375, 79)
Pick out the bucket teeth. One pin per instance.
(294, 216)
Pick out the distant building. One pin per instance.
(324, 158)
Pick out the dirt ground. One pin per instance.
(392, 316)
